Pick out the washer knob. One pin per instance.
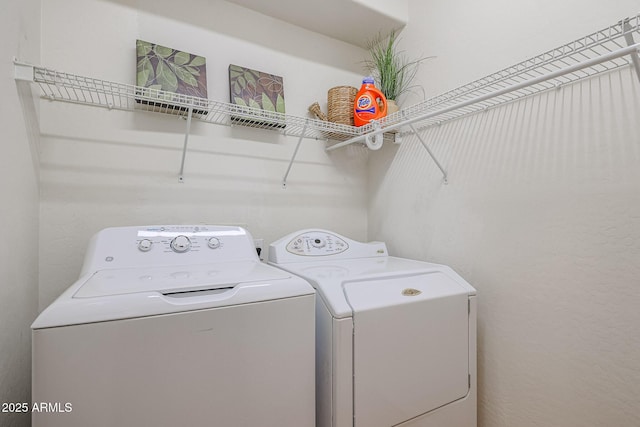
(144, 245)
(214, 243)
(181, 244)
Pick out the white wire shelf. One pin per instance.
(77, 89)
(66, 87)
(603, 51)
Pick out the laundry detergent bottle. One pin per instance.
(370, 103)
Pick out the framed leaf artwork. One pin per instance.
(256, 89)
(170, 70)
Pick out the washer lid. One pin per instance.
(108, 295)
(176, 279)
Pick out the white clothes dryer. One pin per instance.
(176, 325)
(395, 338)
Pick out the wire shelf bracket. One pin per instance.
(628, 36)
(184, 147)
(433, 157)
(293, 157)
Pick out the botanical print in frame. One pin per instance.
(256, 89)
(171, 70)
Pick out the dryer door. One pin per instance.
(410, 352)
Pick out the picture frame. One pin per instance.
(261, 92)
(168, 74)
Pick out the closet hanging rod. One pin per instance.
(629, 50)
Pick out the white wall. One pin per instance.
(541, 215)
(108, 168)
(542, 212)
(20, 29)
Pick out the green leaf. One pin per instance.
(266, 103)
(234, 71)
(242, 82)
(142, 78)
(249, 77)
(239, 101)
(192, 70)
(280, 104)
(253, 103)
(237, 90)
(197, 61)
(163, 52)
(166, 77)
(142, 48)
(145, 65)
(186, 76)
(181, 58)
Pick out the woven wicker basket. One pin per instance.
(340, 101)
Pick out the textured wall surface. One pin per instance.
(541, 213)
(20, 29)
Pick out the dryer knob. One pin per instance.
(181, 244)
(318, 243)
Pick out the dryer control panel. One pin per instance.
(304, 245)
(317, 243)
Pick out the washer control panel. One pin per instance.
(122, 247)
(178, 239)
(317, 243)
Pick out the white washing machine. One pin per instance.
(395, 338)
(176, 326)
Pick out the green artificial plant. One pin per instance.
(391, 69)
